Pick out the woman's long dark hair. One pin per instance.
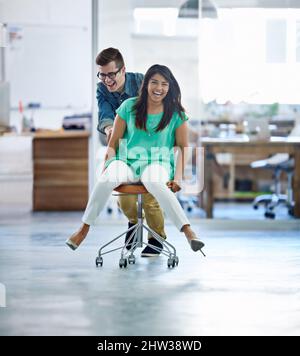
(171, 103)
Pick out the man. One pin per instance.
(115, 86)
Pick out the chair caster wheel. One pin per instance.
(255, 207)
(123, 262)
(269, 215)
(109, 210)
(131, 260)
(291, 211)
(176, 260)
(171, 262)
(99, 261)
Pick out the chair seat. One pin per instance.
(137, 188)
(279, 159)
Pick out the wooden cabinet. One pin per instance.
(60, 171)
(239, 170)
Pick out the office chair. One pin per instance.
(136, 237)
(278, 163)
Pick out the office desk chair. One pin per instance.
(278, 163)
(136, 237)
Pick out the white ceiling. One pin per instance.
(258, 3)
(221, 3)
(157, 3)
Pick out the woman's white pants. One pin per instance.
(154, 178)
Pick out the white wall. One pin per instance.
(48, 55)
(115, 25)
(55, 12)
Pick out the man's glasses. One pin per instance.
(110, 75)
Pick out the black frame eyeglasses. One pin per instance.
(110, 75)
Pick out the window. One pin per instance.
(276, 31)
(251, 55)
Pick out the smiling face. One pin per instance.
(112, 77)
(158, 88)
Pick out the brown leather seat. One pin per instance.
(131, 189)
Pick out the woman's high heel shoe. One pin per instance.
(197, 245)
(71, 244)
(79, 236)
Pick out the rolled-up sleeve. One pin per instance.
(105, 112)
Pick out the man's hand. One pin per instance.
(174, 186)
(108, 131)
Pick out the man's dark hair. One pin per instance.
(172, 101)
(108, 55)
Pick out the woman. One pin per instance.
(141, 148)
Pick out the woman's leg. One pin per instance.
(115, 174)
(154, 178)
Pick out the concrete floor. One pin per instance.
(249, 283)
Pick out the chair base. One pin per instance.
(136, 238)
(271, 201)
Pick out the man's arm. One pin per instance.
(106, 114)
(118, 132)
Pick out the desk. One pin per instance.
(60, 170)
(212, 146)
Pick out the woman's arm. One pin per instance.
(181, 141)
(118, 132)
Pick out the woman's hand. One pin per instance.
(173, 185)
